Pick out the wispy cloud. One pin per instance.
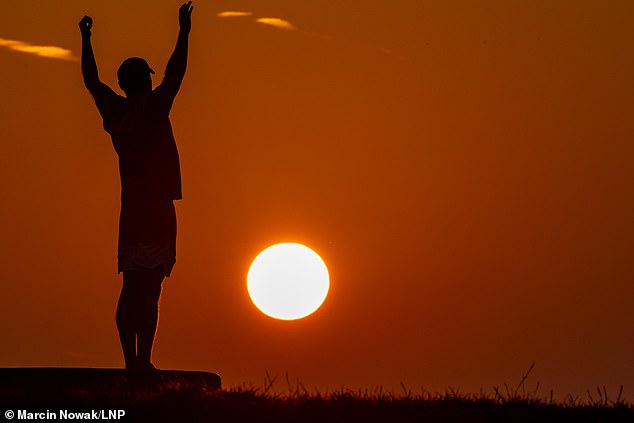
(286, 25)
(50, 52)
(232, 14)
(277, 22)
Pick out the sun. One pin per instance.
(288, 281)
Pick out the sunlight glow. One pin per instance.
(50, 52)
(288, 281)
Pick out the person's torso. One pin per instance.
(143, 139)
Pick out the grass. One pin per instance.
(179, 401)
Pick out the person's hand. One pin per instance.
(185, 16)
(85, 25)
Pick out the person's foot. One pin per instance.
(149, 367)
(146, 368)
(141, 367)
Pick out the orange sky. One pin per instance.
(464, 168)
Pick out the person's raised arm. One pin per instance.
(88, 62)
(177, 64)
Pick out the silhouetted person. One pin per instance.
(150, 181)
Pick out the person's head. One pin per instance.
(134, 76)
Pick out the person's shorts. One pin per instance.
(147, 235)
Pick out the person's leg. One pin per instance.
(127, 317)
(150, 290)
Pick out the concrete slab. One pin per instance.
(42, 380)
